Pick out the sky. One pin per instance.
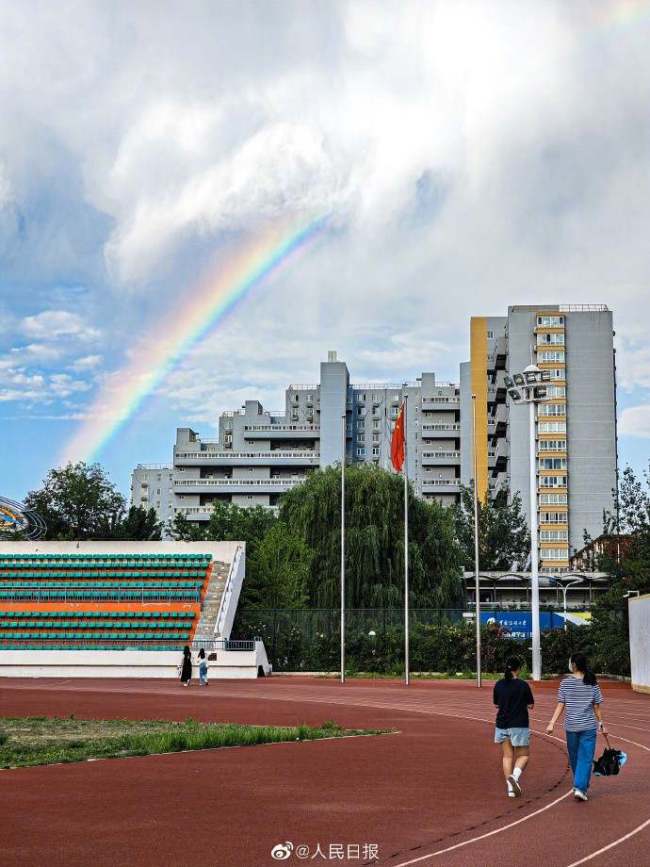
(462, 156)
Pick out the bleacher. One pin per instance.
(103, 601)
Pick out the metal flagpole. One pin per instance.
(477, 580)
(343, 554)
(406, 553)
(534, 554)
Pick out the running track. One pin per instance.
(431, 794)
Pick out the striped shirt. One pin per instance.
(579, 699)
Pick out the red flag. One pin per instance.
(397, 441)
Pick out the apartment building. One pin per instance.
(575, 435)
(259, 454)
(152, 487)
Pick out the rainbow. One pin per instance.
(173, 335)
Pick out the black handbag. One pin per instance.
(611, 761)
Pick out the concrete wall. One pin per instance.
(120, 663)
(639, 611)
(334, 381)
(591, 422)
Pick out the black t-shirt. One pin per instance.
(512, 696)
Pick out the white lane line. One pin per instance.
(611, 845)
(421, 858)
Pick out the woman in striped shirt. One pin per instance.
(580, 697)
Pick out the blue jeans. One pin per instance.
(581, 747)
(203, 673)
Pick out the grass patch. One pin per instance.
(31, 741)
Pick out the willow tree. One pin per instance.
(374, 517)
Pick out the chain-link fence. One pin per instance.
(441, 639)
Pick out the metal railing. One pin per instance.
(235, 456)
(282, 427)
(223, 644)
(443, 427)
(239, 483)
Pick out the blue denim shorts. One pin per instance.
(518, 737)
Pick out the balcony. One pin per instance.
(248, 459)
(440, 459)
(281, 431)
(440, 402)
(440, 486)
(234, 486)
(442, 431)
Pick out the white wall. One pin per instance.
(120, 663)
(639, 611)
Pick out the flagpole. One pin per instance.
(343, 552)
(406, 553)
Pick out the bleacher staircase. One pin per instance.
(205, 630)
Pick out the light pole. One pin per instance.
(530, 387)
(477, 581)
(344, 417)
(565, 587)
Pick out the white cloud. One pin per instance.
(87, 362)
(635, 421)
(63, 385)
(53, 324)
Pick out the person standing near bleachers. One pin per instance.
(202, 661)
(186, 667)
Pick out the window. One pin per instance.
(361, 425)
(550, 321)
(552, 481)
(360, 438)
(375, 438)
(555, 339)
(552, 427)
(553, 536)
(490, 335)
(361, 411)
(552, 409)
(556, 391)
(551, 355)
(376, 424)
(552, 445)
(553, 517)
(555, 554)
(375, 451)
(558, 373)
(361, 453)
(553, 499)
(552, 463)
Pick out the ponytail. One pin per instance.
(580, 662)
(513, 663)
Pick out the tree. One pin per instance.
(138, 524)
(279, 571)
(503, 537)
(79, 502)
(374, 541)
(610, 628)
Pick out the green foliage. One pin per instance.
(309, 640)
(374, 518)
(503, 537)
(40, 741)
(278, 570)
(610, 627)
(79, 502)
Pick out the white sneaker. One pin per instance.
(579, 795)
(515, 785)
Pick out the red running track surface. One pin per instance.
(432, 794)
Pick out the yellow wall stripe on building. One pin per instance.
(478, 357)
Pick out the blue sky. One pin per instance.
(471, 156)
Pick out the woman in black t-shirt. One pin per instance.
(513, 698)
